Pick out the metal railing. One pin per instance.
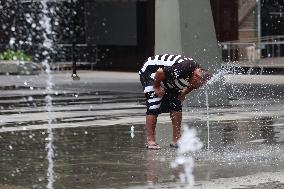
(252, 50)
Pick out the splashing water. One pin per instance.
(188, 143)
(132, 135)
(217, 77)
(47, 44)
(207, 120)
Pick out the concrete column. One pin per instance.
(167, 27)
(198, 38)
(198, 34)
(186, 27)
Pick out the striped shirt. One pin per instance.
(177, 70)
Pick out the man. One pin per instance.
(166, 80)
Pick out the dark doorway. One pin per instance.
(123, 32)
(225, 14)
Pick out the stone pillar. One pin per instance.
(186, 27)
(167, 27)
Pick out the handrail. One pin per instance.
(251, 43)
(270, 37)
(252, 51)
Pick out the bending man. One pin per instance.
(166, 80)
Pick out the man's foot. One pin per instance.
(174, 145)
(153, 146)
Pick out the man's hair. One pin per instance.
(205, 75)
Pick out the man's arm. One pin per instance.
(188, 90)
(159, 76)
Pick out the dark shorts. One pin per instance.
(157, 105)
(168, 103)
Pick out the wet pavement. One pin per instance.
(95, 148)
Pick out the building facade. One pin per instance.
(99, 34)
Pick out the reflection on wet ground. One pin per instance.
(94, 147)
(105, 157)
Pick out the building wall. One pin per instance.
(272, 17)
(131, 56)
(225, 14)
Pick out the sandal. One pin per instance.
(153, 146)
(174, 146)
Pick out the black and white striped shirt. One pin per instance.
(177, 69)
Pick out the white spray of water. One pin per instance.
(47, 44)
(188, 143)
(208, 128)
(132, 134)
(218, 76)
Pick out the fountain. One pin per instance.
(188, 143)
(207, 121)
(47, 44)
(38, 35)
(46, 47)
(132, 131)
(99, 134)
(217, 77)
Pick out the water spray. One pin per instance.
(188, 143)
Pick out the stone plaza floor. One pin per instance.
(95, 148)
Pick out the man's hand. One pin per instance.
(159, 76)
(159, 91)
(182, 94)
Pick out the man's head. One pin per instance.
(199, 77)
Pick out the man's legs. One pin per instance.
(176, 118)
(153, 108)
(151, 121)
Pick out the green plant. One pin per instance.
(15, 55)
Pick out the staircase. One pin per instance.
(245, 8)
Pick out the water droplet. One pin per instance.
(12, 41)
